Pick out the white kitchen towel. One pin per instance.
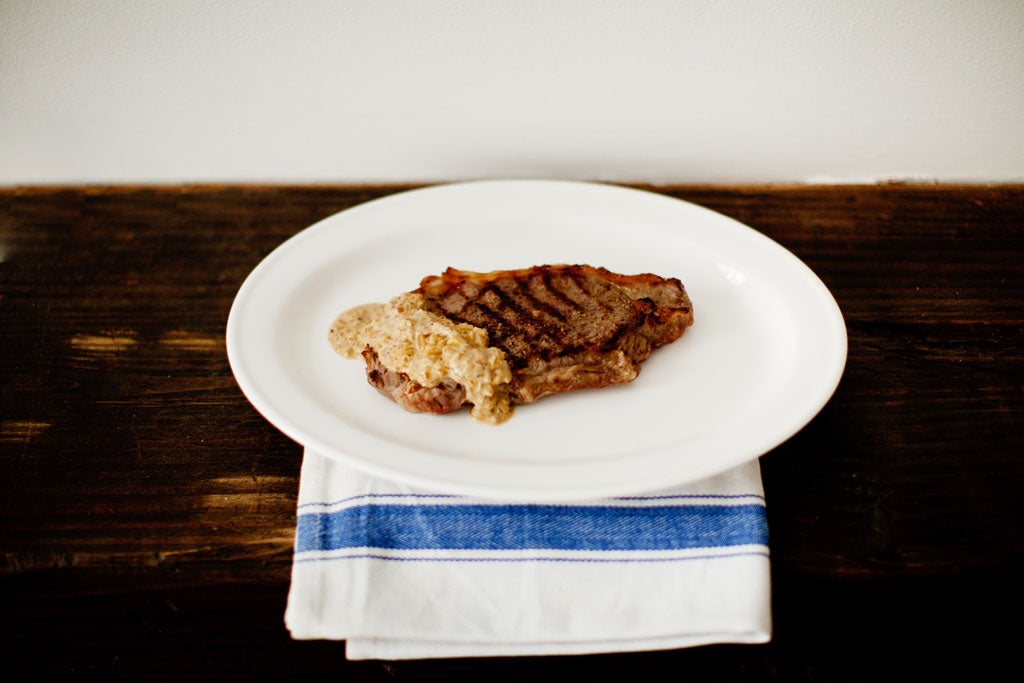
(402, 573)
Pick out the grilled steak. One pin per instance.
(562, 327)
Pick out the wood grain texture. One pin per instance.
(148, 510)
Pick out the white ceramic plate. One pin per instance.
(765, 353)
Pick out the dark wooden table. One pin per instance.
(148, 510)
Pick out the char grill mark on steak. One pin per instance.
(604, 311)
(544, 312)
(597, 294)
(515, 332)
(544, 291)
(509, 311)
(541, 329)
(527, 299)
(593, 314)
(515, 295)
(573, 292)
(509, 326)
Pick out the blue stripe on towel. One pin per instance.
(521, 527)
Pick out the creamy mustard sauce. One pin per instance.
(428, 348)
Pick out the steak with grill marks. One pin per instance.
(562, 328)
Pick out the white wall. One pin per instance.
(368, 91)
